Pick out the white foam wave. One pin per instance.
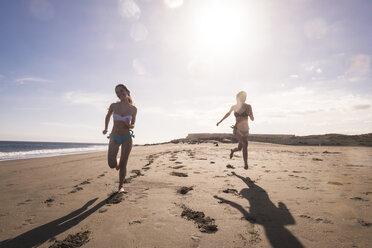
(49, 152)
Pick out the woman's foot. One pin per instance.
(246, 166)
(231, 153)
(122, 190)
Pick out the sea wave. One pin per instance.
(49, 152)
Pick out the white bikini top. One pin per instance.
(118, 117)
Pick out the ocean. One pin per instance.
(12, 150)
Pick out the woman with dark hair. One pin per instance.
(124, 116)
(241, 128)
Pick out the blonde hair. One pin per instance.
(242, 96)
(130, 99)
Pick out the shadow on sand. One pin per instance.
(39, 235)
(263, 212)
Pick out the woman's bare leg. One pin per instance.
(126, 148)
(235, 149)
(245, 154)
(112, 153)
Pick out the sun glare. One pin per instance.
(217, 26)
(221, 26)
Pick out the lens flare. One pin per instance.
(359, 67)
(316, 29)
(173, 3)
(129, 10)
(139, 67)
(138, 32)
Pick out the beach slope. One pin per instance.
(183, 195)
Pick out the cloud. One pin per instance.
(31, 80)
(305, 110)
(68, 125)
(362, 106)
(1, 76)
(294, 76)
(98, 100)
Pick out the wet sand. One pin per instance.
(182, 195)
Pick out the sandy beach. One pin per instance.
(291, 196)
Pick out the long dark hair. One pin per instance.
(130, 99)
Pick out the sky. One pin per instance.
(305, 65)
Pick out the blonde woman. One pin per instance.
(241, 129)
(124, 116)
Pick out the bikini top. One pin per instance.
(244, 114)
(118, 117)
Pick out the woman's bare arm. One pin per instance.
(108, 117)
(250, 112)
(131, 125)
(226, 115)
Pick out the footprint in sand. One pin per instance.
(178, 174)
(290, 175)
(254, 237)
(183, 190)
(317, 159)
(86, 182)
(115, 198)
(305, 216)
(77, 188)
(202, 159)
(73, 240)
(231, 191)
(23, 203)
(354, 165)
(335, 183)
(325, 221)
(135, 222)
(102, 175)
(29, 220)
(49, 201)
(229, 166)
(327, 152)
(205, 224)
(364, 223)
(303, 188)
(218, 176)
(358, 199)
(176, 167)
(137, 173)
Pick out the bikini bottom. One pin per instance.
(240, 133)
(121, 140)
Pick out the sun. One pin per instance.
(222, 26)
